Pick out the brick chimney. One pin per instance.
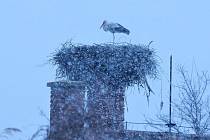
(79, 115)
(66, 110)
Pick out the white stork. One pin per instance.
(114, 28)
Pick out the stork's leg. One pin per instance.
(113, 38)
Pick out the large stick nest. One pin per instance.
(114, 65)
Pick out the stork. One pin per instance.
(114, 28)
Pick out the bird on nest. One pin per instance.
(114, 28)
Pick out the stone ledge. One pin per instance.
(66, 84)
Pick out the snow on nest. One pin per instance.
(114, 65)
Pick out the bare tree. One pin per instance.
(192, 111)
(160, 123)
(42, 131)
(193, 108)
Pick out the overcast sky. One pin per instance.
(30, 30)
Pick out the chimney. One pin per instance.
(66, 110)
(77, 114)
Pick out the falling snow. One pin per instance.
(107, 70)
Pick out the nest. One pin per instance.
(113, 65)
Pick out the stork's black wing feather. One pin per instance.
(120, 26)
(122, 29)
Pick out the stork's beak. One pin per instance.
(101, 25)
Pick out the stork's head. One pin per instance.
(104, 23)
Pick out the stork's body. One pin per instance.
(114, 28)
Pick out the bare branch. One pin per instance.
(192, 100)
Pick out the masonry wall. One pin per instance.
(106, 108)
(74, 117)
(147, 135)
(66, 110)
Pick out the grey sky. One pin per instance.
(32, 29)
